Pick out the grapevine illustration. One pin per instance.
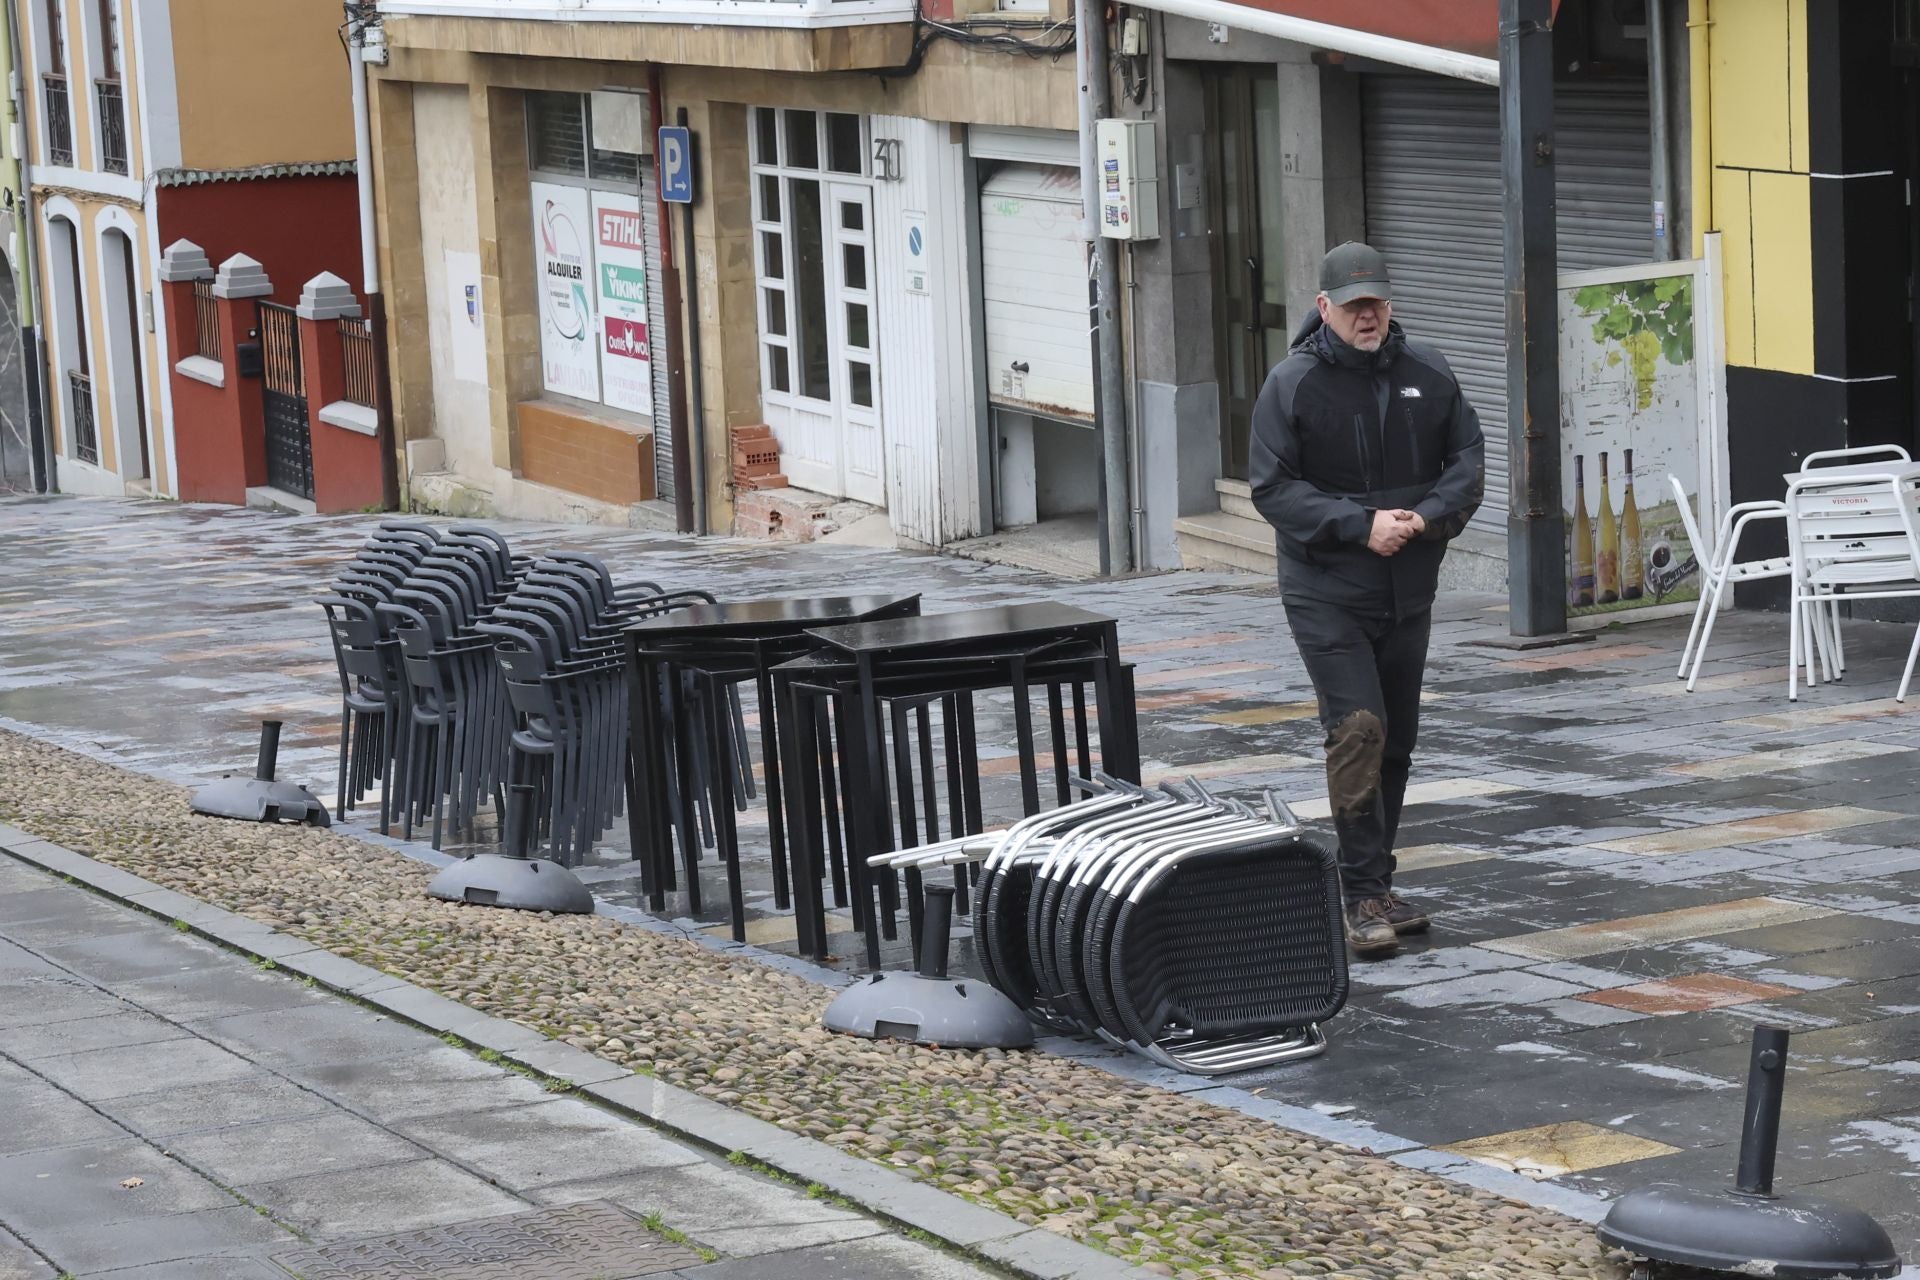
(1647, 319)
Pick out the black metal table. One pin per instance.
(713, 646)
(908, 664)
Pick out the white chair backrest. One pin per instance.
(1859, 453)
(1855, 529)
(1701, 551)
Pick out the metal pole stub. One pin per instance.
(1760, 1132)
(269, 759)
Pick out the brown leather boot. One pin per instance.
(1404, 916)
(1369, 931)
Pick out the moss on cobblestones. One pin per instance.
(1186, 1188)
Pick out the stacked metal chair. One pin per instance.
(1193, 931)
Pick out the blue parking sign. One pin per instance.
(676, 164)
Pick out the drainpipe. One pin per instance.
(360, 18)
(1096, 103)
(1700, 83)
(1661, 130)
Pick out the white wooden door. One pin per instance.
(855, 332)
(819, 334)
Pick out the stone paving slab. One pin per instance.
(1601, 746)
(329, 1123)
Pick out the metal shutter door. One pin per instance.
(657, 333)
(1034, 281)
(1432, 174)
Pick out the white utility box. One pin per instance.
(1129, 180)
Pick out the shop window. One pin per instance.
(595, 232)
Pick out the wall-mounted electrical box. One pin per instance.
(1129, 180)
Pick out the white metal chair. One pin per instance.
(1718, 568)
(1856, 454)
(1832, 649)
(1857, 537)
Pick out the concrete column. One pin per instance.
(237, 288)
(722, 257)
(1321, 190)
(346, 443)
(207, 471)
(508, 299)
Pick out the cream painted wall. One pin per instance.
(443, 144)
(103, 363)
(260, 82)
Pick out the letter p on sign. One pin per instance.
(676, 165)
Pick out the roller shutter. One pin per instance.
(1432, 173)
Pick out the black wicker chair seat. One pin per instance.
(1227, 946)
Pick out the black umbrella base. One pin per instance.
(524, 884)
(956, 1013)
(261, 800)
(1787, 1237)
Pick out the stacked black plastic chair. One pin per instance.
(556, 642)
(1198, 933)
(375, 701)
(454, 740)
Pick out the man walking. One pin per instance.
(1366, 460)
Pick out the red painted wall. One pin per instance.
(295, 227)
(1469, 26)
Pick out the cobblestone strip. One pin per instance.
(1164, 1180)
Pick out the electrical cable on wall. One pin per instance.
(1054, 42)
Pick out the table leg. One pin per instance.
(776, 808)
(726, 833)
(1023, 732)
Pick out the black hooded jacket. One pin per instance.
(1340, 433)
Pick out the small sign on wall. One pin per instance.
(916, 252)
(466, 321)
(620, 260)
(569, 355)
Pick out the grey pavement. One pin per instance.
(1626, 878)
(174, 1112)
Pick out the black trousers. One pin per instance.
(1367, 673)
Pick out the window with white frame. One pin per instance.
(812, 255)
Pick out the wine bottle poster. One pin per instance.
(1631, 423)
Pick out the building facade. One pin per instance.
(23, 457)
(225, 123)
(831, 282)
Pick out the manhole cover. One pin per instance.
(593, 1241)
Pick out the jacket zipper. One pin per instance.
(1413, 444)
(1360, 443)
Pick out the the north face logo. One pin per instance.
(1410, 393)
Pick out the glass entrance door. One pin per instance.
(813, 253)
(1250, 316)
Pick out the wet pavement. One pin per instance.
(178, 1113)
(1626, 878)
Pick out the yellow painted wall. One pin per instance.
(260, 82)
(1761, 189)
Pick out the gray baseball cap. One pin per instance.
(1354, 270)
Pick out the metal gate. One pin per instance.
(283, 390)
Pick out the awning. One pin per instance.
(1458, 38)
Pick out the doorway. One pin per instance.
(813, 257)
(120, 302)
(1249, 291)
